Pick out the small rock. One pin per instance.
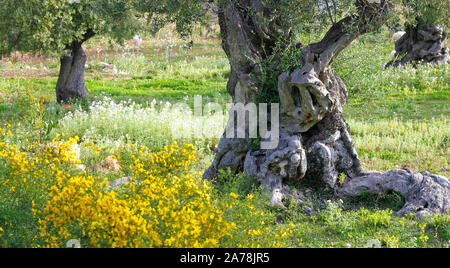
(397, 36)
(120, 182)
(308, 192)
(137, 42)
(393, 54)
(309, 211)
(66, 107)
(277, 198)
(81, 167)
(109, 164)
(113, 163)
(299, 196)
(111, 69)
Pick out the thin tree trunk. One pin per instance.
(329, 13)
(71, 82)
(335, 10)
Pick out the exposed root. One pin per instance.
(424, 193)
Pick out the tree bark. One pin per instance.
(312, 98)
(248, 40)
(421, 43)
(423, 192)
(315, 141)
(71, 82)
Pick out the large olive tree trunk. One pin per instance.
(314, 140)
(71, 75)
(71, 82)
(248, 40)
(421, 43)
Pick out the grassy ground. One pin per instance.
(398, 118)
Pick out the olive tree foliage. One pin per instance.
(182, 13)
(332, 10)
(60, 27)
(426, 24)
(426, 11)
(50, 26)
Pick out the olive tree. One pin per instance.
(426, 24)
(184, 14)
(268, 65)
(61, 27)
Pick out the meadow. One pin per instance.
(56, 183)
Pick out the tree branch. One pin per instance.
(333, 21)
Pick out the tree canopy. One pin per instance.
(51, 25)
(61, 26)
(183, 13)
(428, 11)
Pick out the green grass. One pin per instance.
(398, 118)
(202, 70)
(332, 224)
(385, 144)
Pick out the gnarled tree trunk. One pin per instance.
(314, 140)
(421, 43)
(71, 75)
(248, 40)
(71, 82)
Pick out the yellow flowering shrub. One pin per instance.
(30, 171)
(83, 208)
(163, 205)
(157, 209)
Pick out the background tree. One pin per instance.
(182, 13)
(61, 27)
(269, 65)
(426, 25)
